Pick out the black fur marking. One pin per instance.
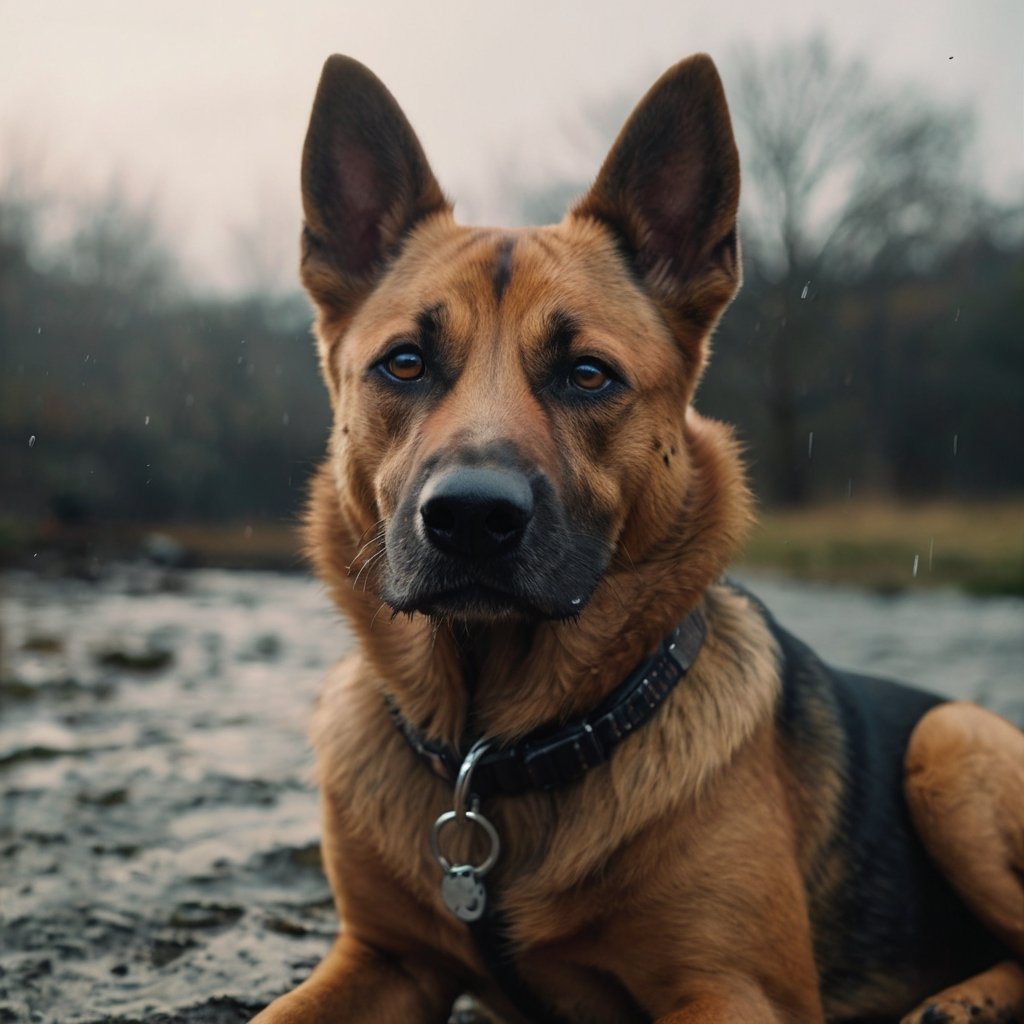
(890, 913)
(503, 268)
(562, 330)
(429, 323)
(430, 326)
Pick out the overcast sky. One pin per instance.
(203, 105)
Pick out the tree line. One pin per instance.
(874, 349)
(124, 397)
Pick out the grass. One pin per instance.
(73, 549)
(259, 545)
(977, 547)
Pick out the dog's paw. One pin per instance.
(958, 1011)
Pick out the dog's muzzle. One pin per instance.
(482, 535)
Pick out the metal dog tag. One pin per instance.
(462, 887)
(463, 892)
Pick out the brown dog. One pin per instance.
(675, 812)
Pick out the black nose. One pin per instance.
(476, 513)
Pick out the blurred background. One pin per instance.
(160, 409)
(156, 366)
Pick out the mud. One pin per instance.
(158, 831)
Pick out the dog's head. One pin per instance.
(510, 406)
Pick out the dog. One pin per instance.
(569, 767)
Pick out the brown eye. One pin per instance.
(406, 364)
(589, 375)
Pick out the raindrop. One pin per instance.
(285, 419)
(807, 288)
(956, 319)
(956, 441)
(247, 532)
(931, 552)
(189, 401)
(917, 559)
(39, 330)
(146, 421)
(849, 487)
(32, 441)
(810, 444)
(242, 342)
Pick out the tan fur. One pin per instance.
(677, 878)
(965, 780)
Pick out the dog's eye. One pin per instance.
(405, 363)
(590, 375)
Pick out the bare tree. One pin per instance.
(118, 246)
(23, 199)
(264, 249)
(842, 179)
(839, 172)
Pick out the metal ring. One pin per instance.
(465, 777)
(478, 819)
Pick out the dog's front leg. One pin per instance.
(355, 983)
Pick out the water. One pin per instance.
(158, 832)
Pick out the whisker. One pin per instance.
(375, 557)
(376, 613)
(378, 537)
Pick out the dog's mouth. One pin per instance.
(473, 602)
(553, 578)
(486, 592)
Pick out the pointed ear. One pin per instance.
(669, 191)
(365, 184)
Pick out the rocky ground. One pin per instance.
(159, 858)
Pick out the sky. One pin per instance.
(200, 108)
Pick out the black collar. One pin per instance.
(553, 755)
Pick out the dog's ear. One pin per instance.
(669, 190)
(365, 184)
